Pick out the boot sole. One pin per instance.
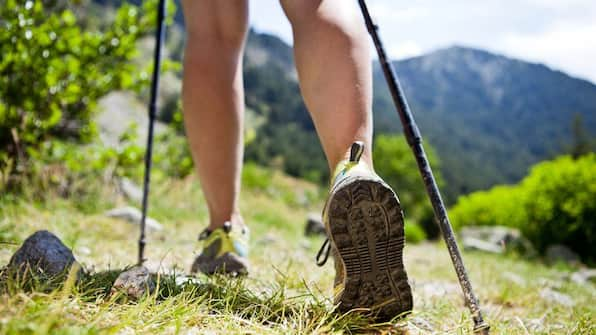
(366, 226)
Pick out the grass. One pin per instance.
(285, 292)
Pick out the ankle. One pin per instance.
(218, 222)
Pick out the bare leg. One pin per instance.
(334, 68)
(213, 100)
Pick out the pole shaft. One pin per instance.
(159, 37)
(415, 141)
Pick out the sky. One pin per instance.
(558, 33)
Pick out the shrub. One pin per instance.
(499, 206)
(52, 71)
(393, 160)
(414, 233)
(554, 204)
(561, 204)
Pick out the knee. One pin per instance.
(316, 14)
(300, 11)
(215, 23)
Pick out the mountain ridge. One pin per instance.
(483, 112)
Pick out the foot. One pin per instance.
(364, 222)
(225, 251)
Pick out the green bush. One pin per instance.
(500, 206)
(414, 233)
(394, 161)
(53, 70)
(561, 204)
(554, 204)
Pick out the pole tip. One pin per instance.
(482, 328)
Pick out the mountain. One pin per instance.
(489, 117)
(486, 113)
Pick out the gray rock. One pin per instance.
(584, 276)
(134, 283)
(314, 225)
(133, 215)
(560, 253)
(130, 189)
(497, 239)
(44, 254)
(472, 243)
(553, 296)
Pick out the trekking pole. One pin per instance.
(415, 141)
(159, 37)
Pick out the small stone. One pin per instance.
(314, 225)
(130, 189)
(560, 253)
(474, 244)
(496, 239)
(551, 295)
(134, 283)
(583, 276)
(44, 254)
(133, 215)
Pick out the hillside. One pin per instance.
(487, 113)
(482, 112)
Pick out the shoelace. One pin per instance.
(324, 251)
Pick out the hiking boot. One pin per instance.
(365, 225)
(225, 251)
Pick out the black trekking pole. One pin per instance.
(415, 141)
(159, 37)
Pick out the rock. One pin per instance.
(133, 215)
(44, 254)
(584, 276)
(495, 239)
(551, 295)
(560, 253)
(134, 283)
(314, 225)
(130, 190)
(472, 243)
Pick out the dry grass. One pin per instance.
(285, 293)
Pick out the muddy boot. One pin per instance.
(365, 225)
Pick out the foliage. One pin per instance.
(554, 204)
(53, 70)
(561, 204)
(394, 161)
(414, 233)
